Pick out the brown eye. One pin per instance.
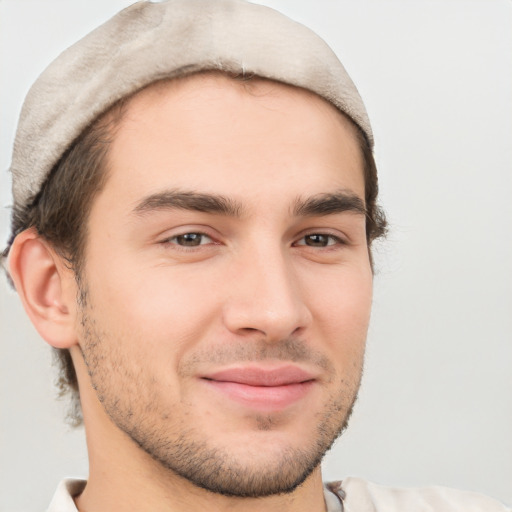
(190, 239)
(319, 240)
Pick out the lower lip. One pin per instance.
(265, 398)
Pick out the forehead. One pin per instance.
(224, 135)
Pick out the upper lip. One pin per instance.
(258, 376)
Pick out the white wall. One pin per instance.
(436, 403)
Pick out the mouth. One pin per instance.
(263, 389)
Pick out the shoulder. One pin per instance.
(361, 495)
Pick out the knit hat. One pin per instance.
(150, 41)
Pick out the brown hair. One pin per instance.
(59, 213)
(60, 210)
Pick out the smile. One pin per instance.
(267, 390)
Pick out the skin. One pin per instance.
(273, 283)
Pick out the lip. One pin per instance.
(264, 389)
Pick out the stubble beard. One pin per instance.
(130, 404)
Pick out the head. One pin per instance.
(59, 212)
(220, 230)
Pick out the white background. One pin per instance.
(436, 404)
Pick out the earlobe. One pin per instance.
(46, 287)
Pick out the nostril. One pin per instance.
(251, 330)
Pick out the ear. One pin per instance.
(46, 286)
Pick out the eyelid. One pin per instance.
(203, 235)
(337, 241)
(169, 236)
(340, 238)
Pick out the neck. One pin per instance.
(132, 488)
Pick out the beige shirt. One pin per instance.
(359, 496)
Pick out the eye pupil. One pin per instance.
(189, 239)
(317, 240)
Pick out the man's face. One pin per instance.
(227, 282)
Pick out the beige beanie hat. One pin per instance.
(150, 41)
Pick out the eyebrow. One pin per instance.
(193, 201)
(329, 204)
(317, 205)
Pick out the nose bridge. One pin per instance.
(266, 295)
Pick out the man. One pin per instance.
(209, 269)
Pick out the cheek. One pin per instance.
(151, 306)
(341, 304)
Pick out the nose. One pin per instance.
(265, 297)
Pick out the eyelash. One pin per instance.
(331, 240)
(336, 240)
(173, 239)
